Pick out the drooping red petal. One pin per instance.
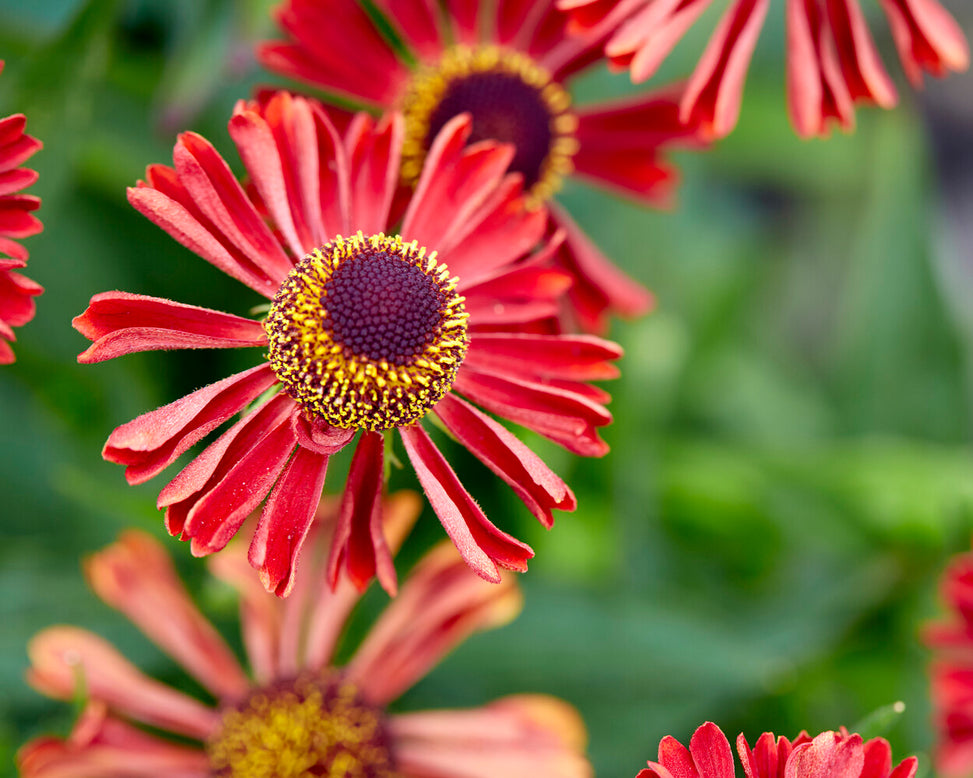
(927, 38)
(374, 151)
(715, 89)
(563, 416)
(285, 157)
(567, 357)
(285, 521)
(153, 441)
(482, 545)
(121, 323)
(502, 231)
(540, 489)
(359, 546)
(231, 476)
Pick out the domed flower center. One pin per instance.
(305, 728)
(511, 99)
(367, 332)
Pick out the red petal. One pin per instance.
(121, 323)
(153, 441)
(715, 90)
(568, 357)
(359, 544)
(540, 489)
(375, 152)
(711, 752)
(286, 519)
(563, 416)
(480, 543)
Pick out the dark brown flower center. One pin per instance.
(510, 98)
(367, 332)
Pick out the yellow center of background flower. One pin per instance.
(367, 332)
(306, 728)
(511, 99)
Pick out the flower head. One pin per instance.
(828, 755)
(16, 221)
(377, 324)
(952, 671)
(294, 713)
(509, 66)
(832, 60)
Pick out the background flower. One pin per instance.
(16, 221)
(292, 681)
(510, 65)
(832, 61)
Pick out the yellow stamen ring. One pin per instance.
(367, 332)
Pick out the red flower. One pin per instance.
(832, 60)
(510, 68)
(952, 671)
(295, 713)
(365, 333)
(16, 221)
(829, 755)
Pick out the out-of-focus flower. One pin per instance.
(295, 714)
(367, 332)
(509, 64)
(832, 61)
(16, 221)
(952, 671)
(829, 755)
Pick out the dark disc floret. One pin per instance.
(367, 332)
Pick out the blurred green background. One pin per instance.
(791, 464)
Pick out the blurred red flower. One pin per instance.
(509, 65)
(295, 713)
(16, 221)
(828, 755)
(832, 60)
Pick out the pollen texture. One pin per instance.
(367, 332)
(511, 99)
(310, 727)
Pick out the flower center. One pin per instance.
(304, 728)
(367, 332)
(511, 99)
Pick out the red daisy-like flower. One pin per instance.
(367, 333)
(829, 755)
(295, 714)
(509, 65)
(952, 671)
(832, 60)
(16, 221)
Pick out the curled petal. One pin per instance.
(153, 441)
(533, 481)
(482, 545)
(64, 657)
(101, 746)
(285, 521)
(120, 323)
